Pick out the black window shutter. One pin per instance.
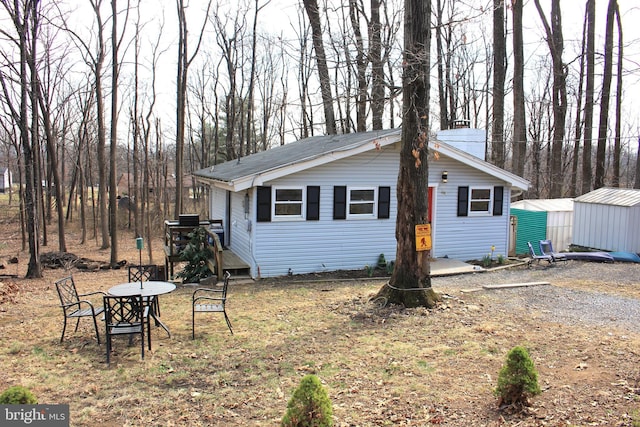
(384, 200)
(339, 202)
(313, 203)
(264, 204)
(463, 201)
(498, 198)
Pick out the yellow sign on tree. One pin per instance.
(423, 237)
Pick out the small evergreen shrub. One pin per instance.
(518, 379)
(17, 395)
(382, 262)
(309, 406)
(196, 253)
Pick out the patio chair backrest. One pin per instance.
(138, 273)
(123, 310)
(67, 291)
(546, 248)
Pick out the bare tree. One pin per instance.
(604, 97)
(587, 175)
(499, 72)
(361, 66)
(519, 114)
(230, 43)
(23, 16)
(311, 6)
(250, 131)
(115, 72)
(377, 66)
(410, 283)
(555, 43)
(184, 61)
(97, 62)
(617, 145)
(573, 186)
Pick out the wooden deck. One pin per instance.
(232, 262)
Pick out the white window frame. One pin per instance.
(302, 203)
(489, 201)
(373, 214)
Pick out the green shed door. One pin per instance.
(532, 227)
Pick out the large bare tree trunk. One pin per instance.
(442, 100)
(377, 66)
(410, 283)
(587, 170)
(601, 151)
(617, 150)
(573, 186)
(181, 95)
(361, 67)
(311, 6)
(499, 71)
(113, 190)
(250, 129)
(102, 150)
(519, 113)
(555, 43)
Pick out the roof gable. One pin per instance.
(255, 169)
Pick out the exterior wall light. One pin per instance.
(445, 176)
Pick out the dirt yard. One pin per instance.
(386, 366)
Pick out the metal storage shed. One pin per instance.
(607, 219)
(543, 219)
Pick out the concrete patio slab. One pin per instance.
(448, 266)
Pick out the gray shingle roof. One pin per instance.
(248, 171)
(289, 154)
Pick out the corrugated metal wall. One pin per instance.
(606, 227)
(532, 227)
(560, 229)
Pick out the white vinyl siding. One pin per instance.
(328, 244)
(471, 237)
(272, 248)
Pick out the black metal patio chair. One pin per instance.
(145, 273)
(126, 316)
(75, 306)
(210, 300)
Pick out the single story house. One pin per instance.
(607, 219)
(328, 203)
(541, 219)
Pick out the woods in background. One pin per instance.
(209, 83)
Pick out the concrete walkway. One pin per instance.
(448, 266)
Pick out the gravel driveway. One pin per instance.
(561, 303)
